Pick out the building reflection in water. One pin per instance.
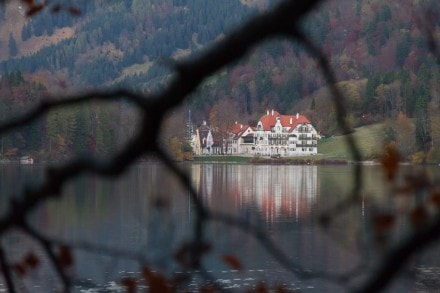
(275, 191)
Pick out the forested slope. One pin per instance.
(378, 50)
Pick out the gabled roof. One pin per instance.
(237, 128)
(270, 119)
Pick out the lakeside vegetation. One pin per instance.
(370, 139)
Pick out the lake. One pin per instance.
(146, 212)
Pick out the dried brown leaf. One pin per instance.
(31, 260)
(232, 261)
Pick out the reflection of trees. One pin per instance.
(283, 20)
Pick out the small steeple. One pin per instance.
(189, 126)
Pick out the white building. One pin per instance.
(203, 142)
(276, 135)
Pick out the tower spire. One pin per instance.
(189, 126)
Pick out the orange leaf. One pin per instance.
(419, 216)
(390, 161)
(31, 260)
(232, 261)
(65, 257)
(129, 283)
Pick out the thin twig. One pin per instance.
(341, 114)
(6, 270)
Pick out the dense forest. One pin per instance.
(378, 50)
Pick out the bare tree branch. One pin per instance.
(341, 114)
(282, 21)
(6, 271)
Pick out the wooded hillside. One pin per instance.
(378, 50)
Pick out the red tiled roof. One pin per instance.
(236, 128)
(269, 120)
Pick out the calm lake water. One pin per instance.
(147, 212)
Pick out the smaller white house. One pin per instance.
(203, 142)
(242, 139)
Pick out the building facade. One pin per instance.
(285, 135)
(275, 135)
(203, 142)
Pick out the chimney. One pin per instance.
(291, 120)
(241, 126)
(267, 112)
(272, 112)
(297, 116)
(236, 122)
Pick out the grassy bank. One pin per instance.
(332, 150)
(369, 140)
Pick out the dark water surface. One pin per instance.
(147, 212)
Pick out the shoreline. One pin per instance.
(312, 160)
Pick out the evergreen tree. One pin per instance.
(423, 125)
(105, 142)
(403, 48)
(81, 139)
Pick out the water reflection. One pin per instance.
(148, 211)
(276, 191)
